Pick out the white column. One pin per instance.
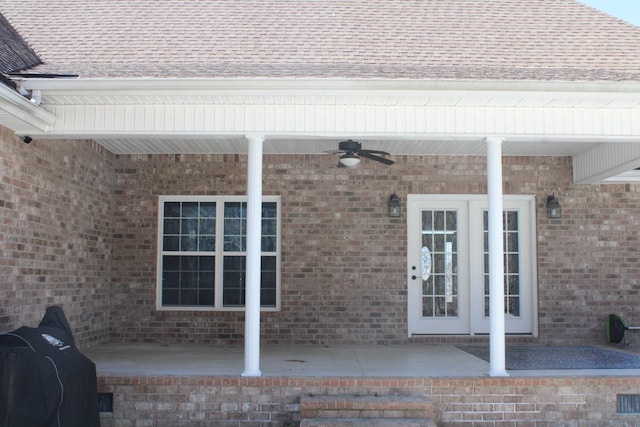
(254, 232)
(496, 259)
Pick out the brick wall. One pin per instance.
(55, 233)
(589, 262)
(459, 402)
(62, 203)
(344, 260)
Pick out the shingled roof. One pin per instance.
(15, 54)
(393, 39)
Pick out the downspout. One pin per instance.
(35, 95)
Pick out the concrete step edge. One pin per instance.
(368, 402)
(374, 422)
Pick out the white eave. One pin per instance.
(579, 119)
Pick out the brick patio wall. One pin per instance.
(344, 260)
(459, 402)
(56, 201)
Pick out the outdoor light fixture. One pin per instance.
(349, 159)
(394, 206)
(553, 207)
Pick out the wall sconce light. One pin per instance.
(553, 207)
(395, 209)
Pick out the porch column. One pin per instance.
(252, 282)
(496, 260)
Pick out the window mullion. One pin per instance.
(219, 254)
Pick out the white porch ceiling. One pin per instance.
(598, 124)
(319, 145)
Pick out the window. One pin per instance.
(202, 253)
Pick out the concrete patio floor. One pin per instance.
(436, 360)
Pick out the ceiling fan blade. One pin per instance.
(382, 153)
(368, 155)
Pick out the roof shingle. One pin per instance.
(15, 54)
(413, 39)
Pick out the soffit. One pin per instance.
(310, 145)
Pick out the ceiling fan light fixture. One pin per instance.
(349, 160)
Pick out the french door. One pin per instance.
(448, 281)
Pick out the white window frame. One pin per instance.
(218, 253)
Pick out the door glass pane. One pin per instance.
(440, 286)
(511, 263)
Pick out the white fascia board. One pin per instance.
(355, 92)
(27, 115)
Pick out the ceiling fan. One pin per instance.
(352, 151)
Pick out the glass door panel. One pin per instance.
(438, 304)
(511, 263)
(519, 266)
(439, 249)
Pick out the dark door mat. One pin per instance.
(559, 357)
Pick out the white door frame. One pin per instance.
(471, 264)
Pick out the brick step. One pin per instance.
(373, 422)
(366, 407)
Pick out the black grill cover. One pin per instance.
(615, 329)
(44, 379)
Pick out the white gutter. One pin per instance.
(27, 115)
(631, 89)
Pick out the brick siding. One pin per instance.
(458, 402)
(79, 229)
(344, 260)
(56, 201)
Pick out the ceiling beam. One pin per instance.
(605, 161)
